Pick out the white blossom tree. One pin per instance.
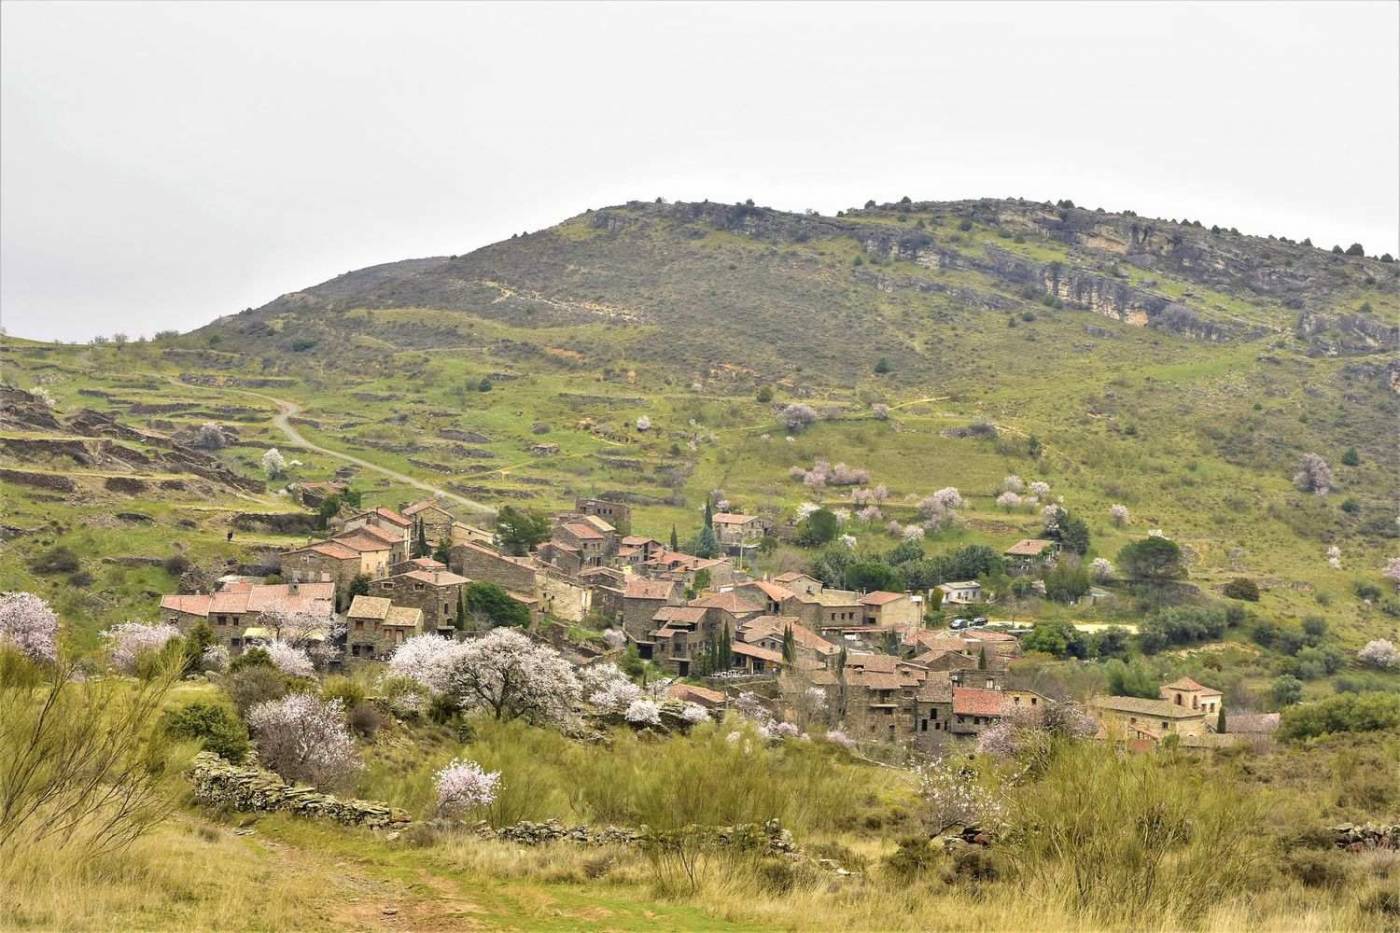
(511, 676)
(28, 625)
(1118, 514)
(130, 640)
(643, 423)
(643, 712)
(464, 786)
(881, 411)
(1009, 500)
(214, 658)
(1334, 557)
(210, 436)
(274, 464)
(1314, 475)
(1040, 489)
(304, 738)
(1380, 653)
(1013, 483)
(1101, 569)
(953, 798)
(426, 659)
(290, 660)
(797, 416)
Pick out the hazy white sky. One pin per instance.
(162, 164)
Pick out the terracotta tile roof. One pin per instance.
(873, 680)
(882, 663)
(1029, 547)
(369, 607)
(585, 531)
(974, 701)
(689, 615)
(392, 517)
(387, 537)
(775, 626)
(599, 524)
(1160, 709)
(830, 599)
(754, 651)
(701, 695)
(732, 518)
(357, 540)
(426, 563)
(731, 602)
(196, 604)
(646, 588)
(879, 598)
(404, 616)
(436, 577)
(334, 550)
(1188, 685)
(638, 540)
(772, 590)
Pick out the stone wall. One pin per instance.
(769, 836)
(219, 783)
(1355, 838)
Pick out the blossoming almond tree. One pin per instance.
(511, 676)
(426, 659)
(28, 625)
(130, 640)
(464, 786)
(305, 738)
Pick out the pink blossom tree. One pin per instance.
(29, 625)
(511, 676)
(304, 738)
(465, 786)
(1314, 475)
(130, 640)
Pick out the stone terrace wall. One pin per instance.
(219, 783)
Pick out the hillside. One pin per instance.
(1173, 368)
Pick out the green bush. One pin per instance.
(215, 725)
(251, 686)
(1345, 712)
(1242, 588)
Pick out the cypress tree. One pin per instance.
(420, 545)
(1220, 720)
(675, 542)
(709, 515)
(789, 645)
(982, 659)
(461, 623)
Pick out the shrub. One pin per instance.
(1242, 588)
(1287, 690)
(1152, 560)
(253, 685)
(215, 725)
(365, 720)
(914, 858)
(1345, 712)
(57, 559)
(491, 602)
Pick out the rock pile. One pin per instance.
(219, 783)
(1355, 838)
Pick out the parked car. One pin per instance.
(980, 621)
(960, 624)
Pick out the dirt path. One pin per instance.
(286, 410)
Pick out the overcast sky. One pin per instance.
(163, 164)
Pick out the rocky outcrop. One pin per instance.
(39, 480)
(25, 411)
(1355, 838)
(284, 523)
(248, 789)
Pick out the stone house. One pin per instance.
(484, 564)
(376, 555)
(642, 597)
(931, 716)
(462, 533)
(734, 531)
(891, 610)
(754, 659)
(798, 583)
(1029, 554)
(633, 550)
(617, 514)
(1186, 692)
(826, 610)
(771, 595)
(435, 521)
(1126, 719)
(323, 561)
(689, 693)
(976, 708)
(769, 631)
(437, 593)
(680, 634)
(395, 528)
(563, 597)
(417, 563)
(239, 607)
(675, 565)
(374, 626)
(962, 593)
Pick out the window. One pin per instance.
(1166, 725)
(923, 725)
